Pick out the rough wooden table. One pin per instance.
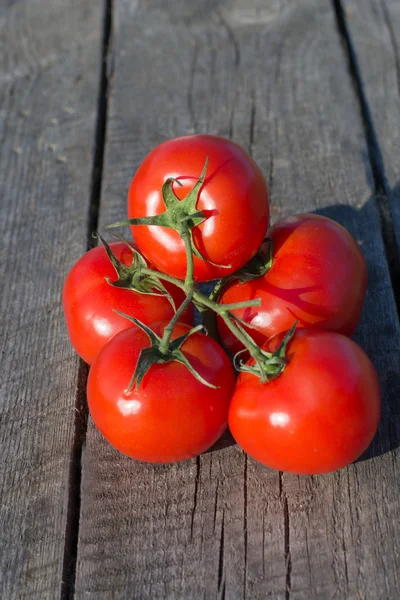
(87, 88)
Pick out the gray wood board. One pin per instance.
(49, 72)
(273, 77)
(375, 31)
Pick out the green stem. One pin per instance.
(218, 289)
(189, 290)
(198, 296)
(221, 310)
(192, 293)
(164, 344)
(247, 341)
(189, 279)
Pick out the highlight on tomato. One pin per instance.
(169, 415)
(217, 188)
(320, 414)
(89, 300)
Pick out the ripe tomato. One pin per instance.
(318, 277)
(171, 416)
(88, 301)
(319, 415)
(234, 196)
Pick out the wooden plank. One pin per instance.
(374, 28)
(273, 76)
(49, 72)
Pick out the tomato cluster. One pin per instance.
(307, 397)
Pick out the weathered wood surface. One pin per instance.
(274, 77)
(374, 28)
(49, 72)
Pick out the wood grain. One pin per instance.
(49, 70)
(273, 77)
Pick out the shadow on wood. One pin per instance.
(376, 332)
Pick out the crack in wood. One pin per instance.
(221, 578)
(271, 175)
(245, 533)
(252, 123)
(223, 590)
(339, 562)
(278, 64)
(288, 557)
(263, 543)
(190, 94)
(286, 524)
(231, 35)
(215, 505)
(195, 495)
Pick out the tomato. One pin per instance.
(234, 197)
(319, 415)
(171, 416)
(88, 301)
(318, 276)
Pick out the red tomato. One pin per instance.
(319, 415)
(88, 301)
(234, 196)
(318, 276)
(171, 416)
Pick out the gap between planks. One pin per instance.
(81, 415)
(375, 157)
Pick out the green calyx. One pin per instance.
(181, 215)
(267, 365)
(131, 277)
(257, 266)
(155, 354)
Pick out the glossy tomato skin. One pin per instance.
(88, 301)
(234, 196)
(171, 416)
(319, 276)
(319, 415)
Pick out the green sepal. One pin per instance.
(281, 351)
(145, 361)
(180, 215)
(162, 220)
(257, 266)
(131, 278)
(175, 346)
(267, 366)
(184, 361)
(152, 355)
(124, 273)
(200, 256)
(167, 192)
(178, 342)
